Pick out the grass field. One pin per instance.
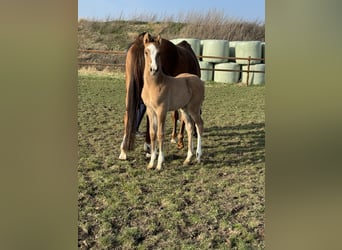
(217, 204)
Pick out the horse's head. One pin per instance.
(151, 52)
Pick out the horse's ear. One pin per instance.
(146, 38)
(159, 39)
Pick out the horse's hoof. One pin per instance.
(147, 147)
(186, 163)
(173, 140)
(122, 156)
(149, 166)
(158, 168)
(180, 145)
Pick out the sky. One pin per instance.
(249, 10)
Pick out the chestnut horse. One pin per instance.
(175, 59)
(162, 93)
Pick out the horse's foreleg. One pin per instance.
(160, 134)
(153, 128)
(174, 117)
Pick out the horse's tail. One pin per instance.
(134, 84)
(131, 115)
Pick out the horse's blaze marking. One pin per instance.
(153, 57)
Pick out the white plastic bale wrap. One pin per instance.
(248, 48)
(231, 53)
(219, 48)
(194, 43)
(259, 78)
(206, 75)
(227, 76)
(254, 77)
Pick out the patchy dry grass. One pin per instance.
(216, 204)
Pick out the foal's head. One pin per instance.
(152, 55)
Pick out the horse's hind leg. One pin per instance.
(123, 154)
(189, 130)
(199, 127)
(180, 143)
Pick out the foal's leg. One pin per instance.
(199, 127)
(147, 144)
(174, 116)
(152, 120)
(189, 130)
(160, 135)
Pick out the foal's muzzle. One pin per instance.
(153, 70)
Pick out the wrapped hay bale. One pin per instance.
(248, 48)
(206, 75)
(259, 78)
(254, 77)
(227, 76)
(214, 47)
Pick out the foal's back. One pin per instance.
(184, 89)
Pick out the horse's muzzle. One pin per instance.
(153, 70)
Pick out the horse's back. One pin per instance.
(178, 58)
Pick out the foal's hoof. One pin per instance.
(149, 166)
(186, 163)
(173, 140)
(122, 156)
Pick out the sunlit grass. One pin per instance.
(216, 204)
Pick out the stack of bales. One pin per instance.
(222, 48)
(253, 49)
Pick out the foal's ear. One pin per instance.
(147, 38)
(159, 39)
